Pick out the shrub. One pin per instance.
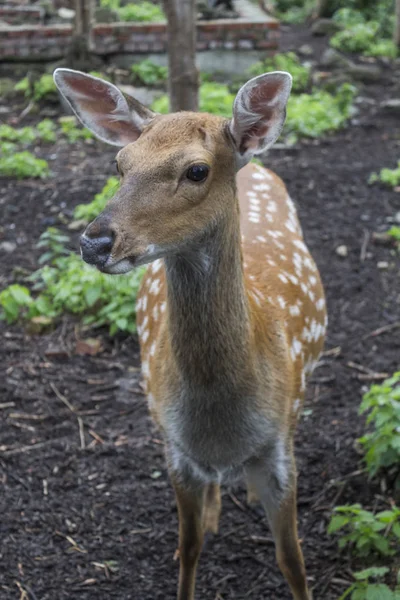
(148, 73)
(141, 12)
(46, 130)
(394, 233)
(214, 98)
(284, 62)
(23, 164)
(364, 589)
(313, 115)
(367, 533)
(72, 132)
(382, 444)
(88, 212)
(293, 11)
(361, 35)
(388, 176)
(43, 87)
(25, 135)
(70, 285)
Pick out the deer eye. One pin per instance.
(115, 163)
(197, 173)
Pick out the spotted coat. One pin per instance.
(280, 276)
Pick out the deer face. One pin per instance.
(171, 193)
(177, 171)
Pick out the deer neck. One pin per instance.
(208, 316)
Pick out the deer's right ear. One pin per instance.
(101, 107)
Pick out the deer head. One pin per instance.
(177, 171)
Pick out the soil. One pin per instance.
(87, 508)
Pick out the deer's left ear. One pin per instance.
(259, 113)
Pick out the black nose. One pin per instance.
(96, 250)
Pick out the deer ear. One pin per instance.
(112, 116)
(259, 113)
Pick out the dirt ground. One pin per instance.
(86, 507)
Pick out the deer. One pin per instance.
(231, 314)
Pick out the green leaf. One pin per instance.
(371, 572)
(337, 522)
(379, 591)
(92, 294)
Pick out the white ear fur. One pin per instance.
(259, 113)
(101, 107)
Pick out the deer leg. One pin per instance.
(190, 510)
(211, 508)
(277, 492)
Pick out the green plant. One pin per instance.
(14, 300)
(382, 444)
(144, 11)
(25, 135)
(388, 176)
(394, 233)
(148, 73)
(47, 130)
(88, 212)
(361, 35)
(284, 62)
(293, 11)
(313, 115)
(365, 532)
(70, 285)
(214, 98)
(364, 589)
(53, 242)
(72, 132)
(38, 89)
(23, 164)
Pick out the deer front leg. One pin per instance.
(190, 497)
(275, 484)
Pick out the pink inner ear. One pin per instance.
(261, 96)
(100, 108)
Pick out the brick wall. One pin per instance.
(50, 42)
(34, 43)
(21, 15)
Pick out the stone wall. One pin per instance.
(41, 43)
(21, 15)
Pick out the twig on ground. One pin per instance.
(61, 397)
(364, 245)
(381, 330)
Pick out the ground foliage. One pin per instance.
(88, 510)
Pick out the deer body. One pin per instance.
(231, 312)
(226, 342)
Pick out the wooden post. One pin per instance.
(183, 80)
(396, 37)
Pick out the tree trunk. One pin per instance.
(82, 38)
(322, 9)
(183, 80)
(397, 25)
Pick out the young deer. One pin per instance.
(231, 313)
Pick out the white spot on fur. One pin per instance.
(145, 336)
(155, 312)
(153, 349)
(281, 301)
(296, 405)
(145, 369)
(155, 287)
(262, 187)
(156, 266)
(272, 206)
(301, 245)
(282, 278)
(163, 306)
(289, 225)
(261, 238)
(295, 348)
(294, 310)
(320, 304)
